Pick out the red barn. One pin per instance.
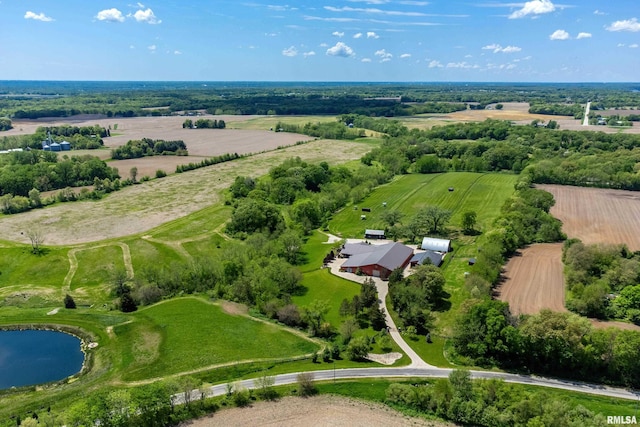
(380, 260)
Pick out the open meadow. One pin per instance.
(144, 206)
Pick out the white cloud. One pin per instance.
(534, 7)
(146, 16)
(340, 49)
(496, 48)
(621, 45)
(633, 46)
(290, 51)
(357, 35)
(177, 52)
(435, 64)
(37, 16)
(598, 12)
(584, 36)
(338, 34)
(405, 55)
(308, 54)
(372, 35)
(366, 60)
(110, 15)
(383, 55)
(131, 46)
(559, 35)
(627, 25)
(461, 65)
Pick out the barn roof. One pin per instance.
(433, 256)
(350, 249)
(389, 256)
(438, 245)
(374, 232)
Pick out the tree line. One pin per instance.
(204, 124)
(149, 147)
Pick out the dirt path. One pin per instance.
(326, 410)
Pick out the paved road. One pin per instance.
(413, 372)
(586, 114)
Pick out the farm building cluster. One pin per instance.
(50, 145)
(379, 260)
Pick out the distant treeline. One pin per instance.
(149, 147)
(204, 124)
(381, 100)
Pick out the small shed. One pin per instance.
(421, 258)
(363, 217)
(438, 245)
(374, 234)
(472, 261)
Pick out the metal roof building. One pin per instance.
(438, 245)
(421, 258)
(380, 261)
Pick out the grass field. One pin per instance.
(482, 193)
(97, 266)
(190, 334)
(269, 122)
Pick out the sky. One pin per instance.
(321, 40)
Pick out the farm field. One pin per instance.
(533, 279)
(597, 215)
(189, 334)
(483, 193)
(142, 207)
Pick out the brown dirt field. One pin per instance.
(314, 411)
(596, 215)
(510, 111)
(234, 308)
(200, 142)
(534, 279)
(139, 208)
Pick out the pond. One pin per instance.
(34, 357)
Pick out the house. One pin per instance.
(437, 245)
(436, 258)
(374, 234)
(379, 261)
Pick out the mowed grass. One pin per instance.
(20, 267)
(192, 334)
(482, 193)
(269, 122)
(207, 246)
(323, 286)
(97, 266)
(194, 225)
(147, 253)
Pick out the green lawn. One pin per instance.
(314, 251)
(322, 285)
(482, 193)
(143, 251)
(204, 247)
(194, 225)
(20, 267)
(96, 266)
(188, 333)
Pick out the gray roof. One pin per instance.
(435, 258)
(389, 256)
(374, 232)
(350, 249)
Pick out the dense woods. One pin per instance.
(149, 147)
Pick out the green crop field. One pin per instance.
(482, 193)
(269, 122)
(188, 334)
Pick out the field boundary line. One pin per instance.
(73, 262)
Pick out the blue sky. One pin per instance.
(321, 40)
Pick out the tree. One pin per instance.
(306, 386)
(347, 329)
(265, 384)
(127, 303)
(133, 173)
(469, 221)
(358, 348)
(255, 215)
(37, 237)
(431, 219)
(69, 302)
(391, 217)
(34, 198)
(314, 314)
(499, 106)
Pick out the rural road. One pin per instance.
(412, 372)
(586, 114)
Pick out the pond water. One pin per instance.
(34, 357)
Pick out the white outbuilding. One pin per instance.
(438, 245)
